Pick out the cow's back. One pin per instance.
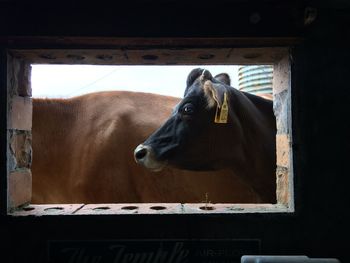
(83, 153)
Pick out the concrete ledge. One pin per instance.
(54, 209)
(150, 208)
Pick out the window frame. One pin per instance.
(144, 51)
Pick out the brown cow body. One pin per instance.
(83, 153)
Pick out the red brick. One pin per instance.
(20, 115)
(20, 145)
(282, 191)
(19, 188)
(281, 76)
(24, 87)
(282, 149)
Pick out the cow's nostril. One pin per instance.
(140, 154)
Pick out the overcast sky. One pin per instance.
(64, 81)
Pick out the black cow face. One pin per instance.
(193, 137)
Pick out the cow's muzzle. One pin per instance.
(144, 155)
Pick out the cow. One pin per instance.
(83, 153)
(217, 127)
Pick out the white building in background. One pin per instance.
(256, 79)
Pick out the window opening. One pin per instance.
(263, 80)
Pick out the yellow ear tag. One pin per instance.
(221, 113)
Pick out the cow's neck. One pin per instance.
(261, 180)
(258, 163)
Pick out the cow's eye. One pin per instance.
(188, 109)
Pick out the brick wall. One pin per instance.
(19, 136)
(282, 108)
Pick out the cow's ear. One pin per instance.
(194, 74)
(224, 78)
(206, 75)
(214, 93)
(217, 97)
(191, 78)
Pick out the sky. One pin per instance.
(64, 81)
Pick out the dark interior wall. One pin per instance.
(151, 18)
(320, 96)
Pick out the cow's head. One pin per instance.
(195, 137)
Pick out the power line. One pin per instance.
(92, 83)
